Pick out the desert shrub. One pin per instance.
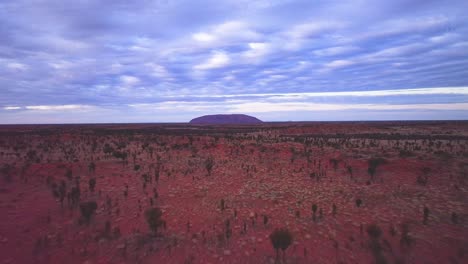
(358, 202)
(74, 195)
(281, 238)
(222, 205)
(228, 230)
(92, 184)
(107, 149)
(209, 163)
(422, 180)
(221, 239)
(69, 174)
(392, 231)
(120, 155)
(314, 210)
(405, 153)
(55, 192)
(373, 164)
(153, 218)
(405, 240)
(454, 218)
(87, 210)
(426, 215)
(6, 170)
(335, 163)
(116, 232)
(31, 155)
(92, 167)
(145, 178)
(107, 228)
(126, 191)
(374, 231)
(62, 192)
(443, 155)
(426, 170)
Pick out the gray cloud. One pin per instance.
(111, 53)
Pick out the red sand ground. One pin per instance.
(258, 170)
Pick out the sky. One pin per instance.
(118, 61)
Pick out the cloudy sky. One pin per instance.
(114, 61)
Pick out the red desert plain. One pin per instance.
(316, 192)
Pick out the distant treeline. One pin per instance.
(381, 136)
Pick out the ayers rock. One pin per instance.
(226, 119)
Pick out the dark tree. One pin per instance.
(228, 230)
(157, 173)
(426, 170)
(335, 163)
(265, 220)
(126, 191)
(374, 231)
(358, 202)
(75, 194)
(69, 174)
(107, 228)
(393, 231)
(426, 215)
(314, 210)
(62, 192)
(371, 171)
(222, 205)
(92, 184)
(281, 238)
(153, 218)
(87, 210)
(92, 167)
(422, 180)
(406, 240)
(107, 149)
(209, 163)
(350, 170)
(373, 164)
(146, 178)
(334, 209)
(454, 218)
(6, 170)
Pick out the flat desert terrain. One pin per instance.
(348, 192)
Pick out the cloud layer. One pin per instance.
(169, 61)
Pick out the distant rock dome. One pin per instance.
(226, 119)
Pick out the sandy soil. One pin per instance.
(277, 170)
